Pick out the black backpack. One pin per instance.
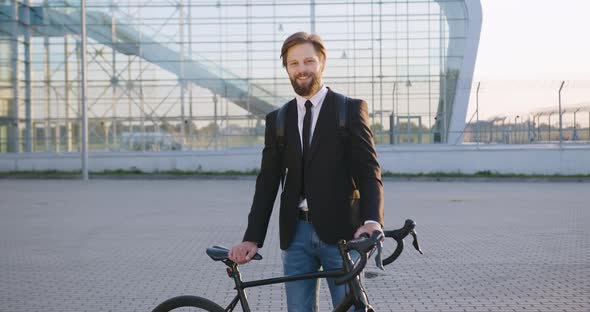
(342, 110)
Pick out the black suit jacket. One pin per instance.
(342, 176)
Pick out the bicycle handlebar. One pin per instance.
(399, 235)
(362, 245)
(365, 244)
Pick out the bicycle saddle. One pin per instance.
(219, 253)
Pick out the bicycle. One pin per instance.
(356, 294)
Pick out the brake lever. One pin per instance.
(378, 236)
(415, 242)
(378, 259)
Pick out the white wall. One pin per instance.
(525, 159)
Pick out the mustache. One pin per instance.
(302, 75)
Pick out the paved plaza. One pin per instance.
(126, 245)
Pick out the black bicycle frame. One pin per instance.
(355, 292)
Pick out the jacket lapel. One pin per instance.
(292, 123)
(321, 124)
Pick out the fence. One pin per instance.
(499, 112)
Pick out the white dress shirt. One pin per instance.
(316, 100)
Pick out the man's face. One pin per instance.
(305, 69)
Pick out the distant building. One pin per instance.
(199, 62)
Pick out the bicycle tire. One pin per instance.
(188, 301)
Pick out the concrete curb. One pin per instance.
(491, 179)
(156, 176)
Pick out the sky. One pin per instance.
(526, 48)
(534, 39)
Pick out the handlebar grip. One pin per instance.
(362, 245)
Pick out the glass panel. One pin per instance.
(228, 75)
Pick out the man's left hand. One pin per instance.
(368, 228)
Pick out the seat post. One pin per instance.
(234, 271)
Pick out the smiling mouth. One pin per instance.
(304, 80)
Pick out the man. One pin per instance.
(333, 187)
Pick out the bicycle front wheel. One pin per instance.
(188, 304)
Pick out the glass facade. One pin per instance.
(181, 75)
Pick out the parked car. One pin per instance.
(149, 141)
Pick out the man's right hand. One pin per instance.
(243, 252)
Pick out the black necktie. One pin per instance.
(306, 129)
(306, 138)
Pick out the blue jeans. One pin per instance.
(306, 254)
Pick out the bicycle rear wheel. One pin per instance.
(188, 304)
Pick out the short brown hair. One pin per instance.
(299, 38)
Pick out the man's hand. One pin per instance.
(368, 228)
(243, 252)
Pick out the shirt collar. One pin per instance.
(316, 99)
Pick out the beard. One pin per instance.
(305, 89)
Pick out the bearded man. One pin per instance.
(332, 189)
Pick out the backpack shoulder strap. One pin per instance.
(342, 107)
(280, 136)
(280, 125)
(342, 103)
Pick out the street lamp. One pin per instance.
(392, 117)
(516, 128)
(560, 115)
(408, 130)
(84, 90)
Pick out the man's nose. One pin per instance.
(300, 69)
(297, 72)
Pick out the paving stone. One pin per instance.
(116, 245)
